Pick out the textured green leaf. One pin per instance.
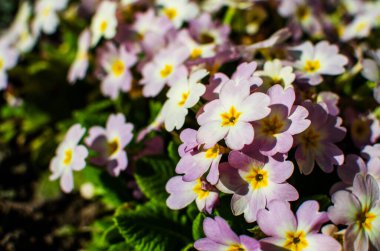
(153, 227)
(152, 175)
(198, 226)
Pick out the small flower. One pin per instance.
(277, 73)
(110, 142)
(104, 22)
(360, 27)
(360, 211)
(329, 101)
(70, 156)
(295, 233)
(321, 59)
(220, 237)
(196, 161)
(162, 68)
(183, 193)
(254, 182)
(79, 67)
(229, 116)
(316, 144)
(178, 11)
(46, 18)
(275, 132)
(116, 63)
(183, 94)
(8, 59)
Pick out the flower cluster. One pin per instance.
(255, 113)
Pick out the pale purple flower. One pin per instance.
(104, 22)
(372, 153)
(360, 211)
(116, 64)
(185, 91)
(321, 59)
(220, 237)
(329, 101)
(229, 116)
(152, 30)
(244, 75)
(254, 182)
(110, 142)
(371, 71)
(364, 128)
(196, 160)
(8, 59)
(317, 143)
(294, 232)
(162, 68)
(79, 67)
(178, 11)
(183, 193)
(274, 133)
(70, 156)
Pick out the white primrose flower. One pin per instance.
(277, 73)
(46, 18)
(184, 94)
(104, 22)
(360, 27)
(322, 58)
(178, 11)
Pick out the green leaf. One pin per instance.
(173, 151)
(153, 227)
(152, 175)
(198, 226)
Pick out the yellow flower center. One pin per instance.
(196, 53)
(113, 147)
(118, 68)
(361, 26)
(213, 152)
(302, 12)
(272, 125)
(171, 13)
(202, 194)
(312, 66)
(295, 241)
(310, 138)
(365, 219)
(166, 71)
(184, 97)
(68, 157)
(257, 178)
(46, 11)
(103, 26)
(236, 247)
(1, 63)
(231, 117)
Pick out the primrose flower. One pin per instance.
(178, 11)
(371, 71)
(110, 142)
(195, 160)
(70, 156)
(79, 67)
(364, 128)
(196, 49)
(229, 116)
(277, 74)
(8, 59)
(220, 237)
(295, 233)
(162, 68)
(116, 62)
(254, 182)
(152, 30)
(360, 211)
(275, 132)
(360, 27)
(46, 18)
(316, 144)
(372, 153)
(104, 22)
(329, 101)
(320, 59)
(183, 193)
(244, 75)
(183, 94)
(19, 23)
